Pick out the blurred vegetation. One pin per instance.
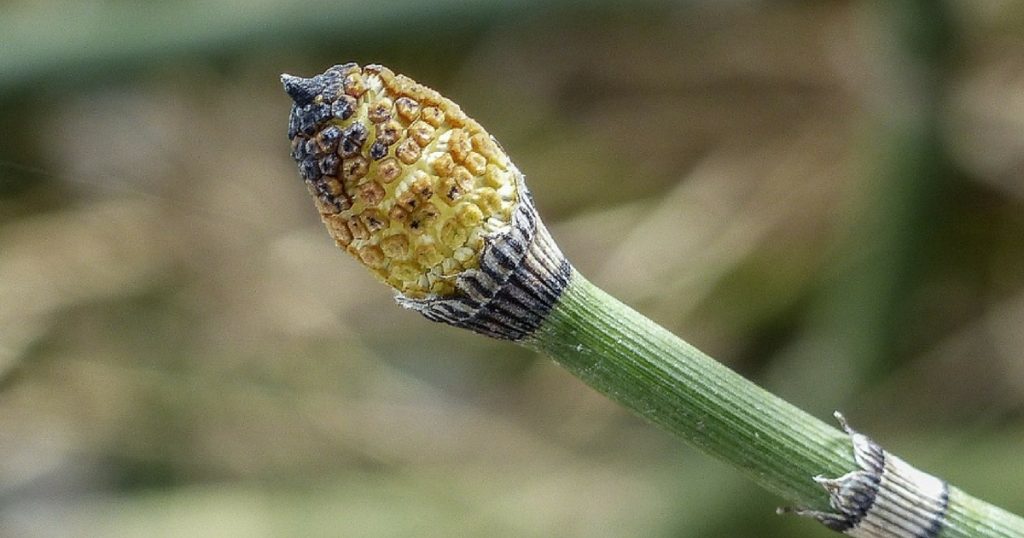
(827, 196)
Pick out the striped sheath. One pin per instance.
(886, 497)
(521, 276)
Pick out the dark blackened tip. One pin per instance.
(301, 90)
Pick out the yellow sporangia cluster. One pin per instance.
(403, 179)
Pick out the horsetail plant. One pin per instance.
(425, 198)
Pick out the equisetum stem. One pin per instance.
(425, 198)
(639, 364)
(969, 516)
(644, 367)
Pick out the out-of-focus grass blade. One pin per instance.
(74, 38)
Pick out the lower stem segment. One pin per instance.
(644, 367)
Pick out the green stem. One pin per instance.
(641, 365)
(969, 516)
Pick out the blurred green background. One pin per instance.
(827, 196)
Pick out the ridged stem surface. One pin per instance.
(641, 365)
(969, 516)
(644, 367)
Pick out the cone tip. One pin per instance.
(299, 89)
